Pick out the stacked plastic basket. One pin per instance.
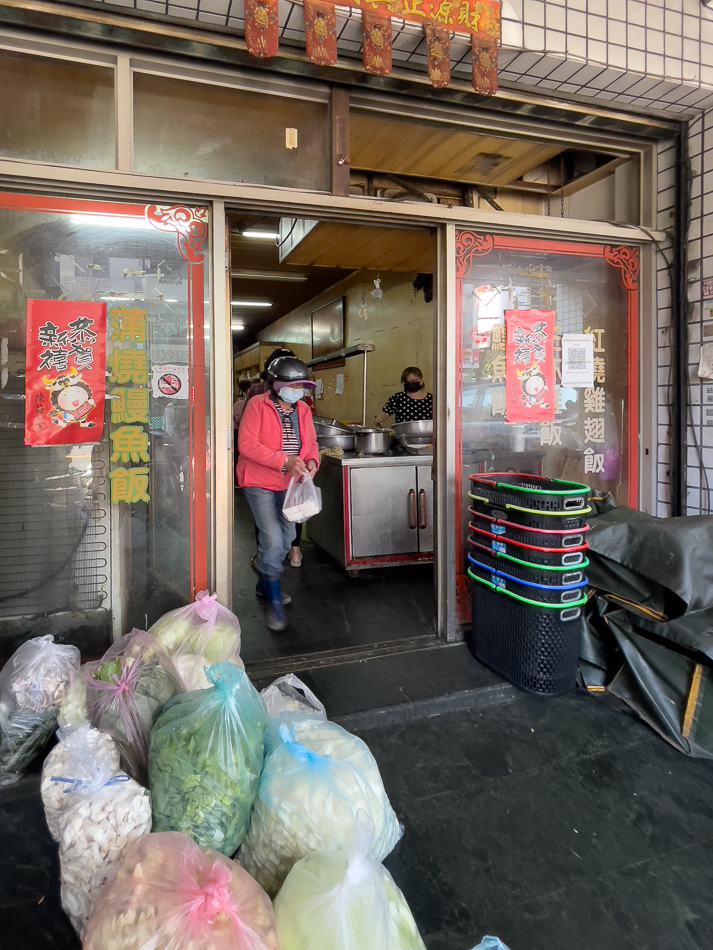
(527, 560)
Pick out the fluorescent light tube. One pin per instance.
(250, 303)
(260, 235)
(236, 326)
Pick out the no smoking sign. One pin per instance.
(169, 382)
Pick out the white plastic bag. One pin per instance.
(302, 499)
(339, 900)
(81, 753)
(32, 683)
(315, 783)
(73, 705)
(108, 814)
(288, 694)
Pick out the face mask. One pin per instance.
(291, 394)
(412, 387)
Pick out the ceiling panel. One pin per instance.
(400, 147)
(336, 244)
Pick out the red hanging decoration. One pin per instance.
(261, 32)
(438, 43)
(321, 32)
(376, 43)
(485, 66)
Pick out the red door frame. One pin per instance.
(470, 244)
(190, 225)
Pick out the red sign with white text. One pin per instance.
(529, 369)
(65, 372)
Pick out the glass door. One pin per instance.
(593, 436)
(104, 528)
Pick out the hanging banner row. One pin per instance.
(478, 18)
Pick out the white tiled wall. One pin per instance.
(700, 315)
(642, 53)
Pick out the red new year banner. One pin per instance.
(65, 372)
(529, 369)
(480, 18)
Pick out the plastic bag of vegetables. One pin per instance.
(107, 813)
(288, 694)
(171, 894)
(127, 690)
(81, 754)
(32, 683)
(73, 705)
(198, 635)
(343, 900)
(313, 786)
(205, 760)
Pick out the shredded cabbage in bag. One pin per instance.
(313, 785)
(205, 758)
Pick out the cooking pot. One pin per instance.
(372, 441)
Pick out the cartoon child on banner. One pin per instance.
(529, 366)
(71, 399)
(534, 386)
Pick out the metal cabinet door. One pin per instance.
(424, 485)
(383, 511)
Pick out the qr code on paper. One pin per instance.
(576, 358)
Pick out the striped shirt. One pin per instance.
(291, 441)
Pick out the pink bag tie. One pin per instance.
(123, 687)
(207, 606)
(204, 902)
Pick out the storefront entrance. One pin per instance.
(356, 304)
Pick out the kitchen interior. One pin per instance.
(356, 303)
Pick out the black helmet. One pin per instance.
(288, 371)
(276, 354)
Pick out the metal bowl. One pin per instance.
(344, 440)
(324, 426)
(372, 441)
(411, 434)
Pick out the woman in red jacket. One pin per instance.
(276, 441)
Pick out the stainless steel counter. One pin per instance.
(352, 460)
(377, 510)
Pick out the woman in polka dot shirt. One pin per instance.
(413, 404)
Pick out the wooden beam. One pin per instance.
(339, 119)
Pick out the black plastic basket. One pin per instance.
(533, 538)
(529, 518)
(535, 573)
(526, 554)
(533, 492)
(527, 591)
(534, 648)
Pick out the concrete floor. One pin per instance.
(553, 823)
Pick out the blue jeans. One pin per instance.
(274, 532)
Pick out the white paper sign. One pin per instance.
(169, 381)
(705, 361)
(578, 360)
(339, 388)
